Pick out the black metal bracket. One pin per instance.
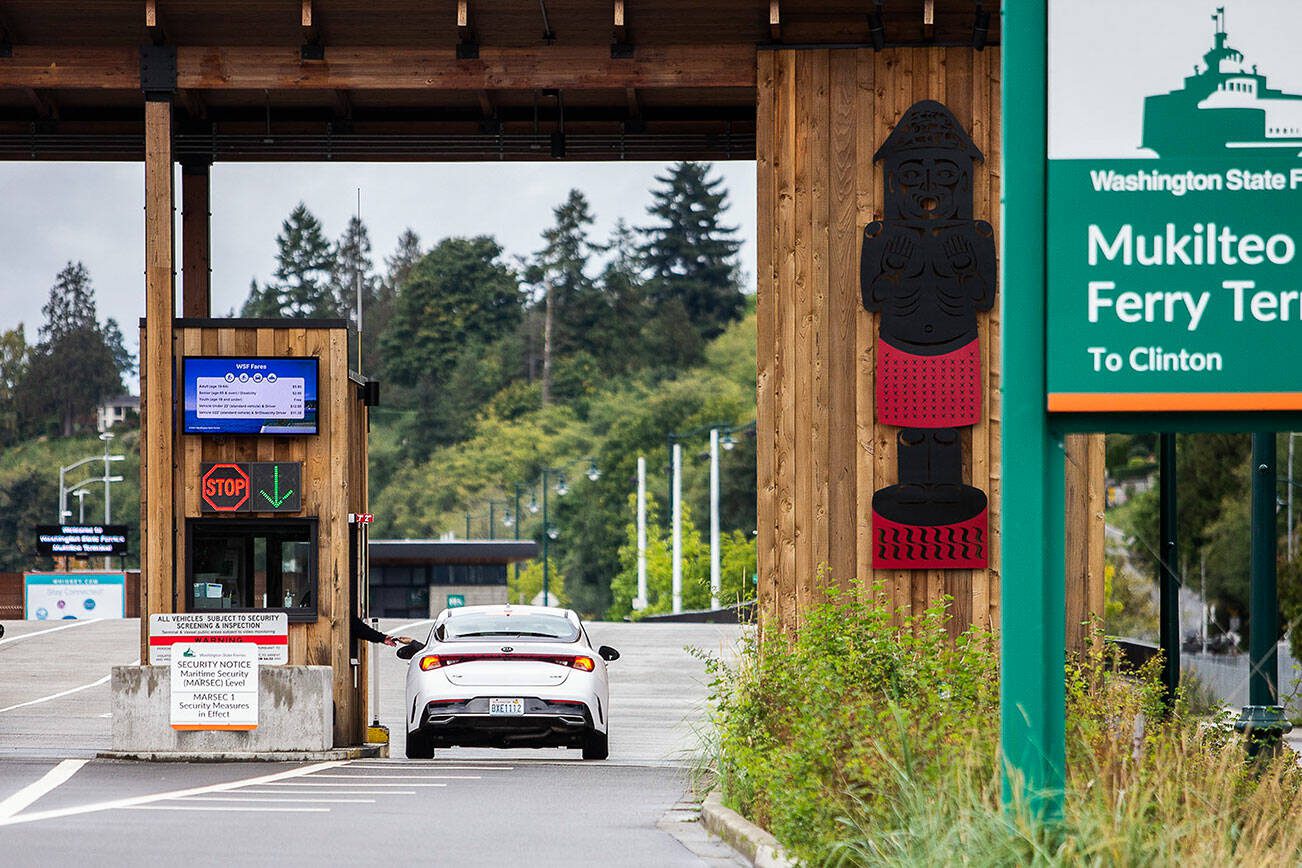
(980, 27)
(467, 50)
(158, 71)
(876, 26)
(6, 47)
(621, 51)
(311, 51)
(369, 392)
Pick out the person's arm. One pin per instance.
(367, 633)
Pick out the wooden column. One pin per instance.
(196, 262)
(821, 115)
(1086, 492)
(157, 580)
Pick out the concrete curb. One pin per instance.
(757, 846)
(369, 751)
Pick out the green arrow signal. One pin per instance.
(279, 499)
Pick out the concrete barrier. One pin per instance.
(295, 714)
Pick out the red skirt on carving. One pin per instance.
(958, 546)
(929, 391)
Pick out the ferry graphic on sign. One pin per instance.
(1226, 103)
(1173, 227)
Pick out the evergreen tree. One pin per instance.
(379, 314)
(353, 268)
(301, 285)
(122, 358)
(404, 258)
(561, 265)
(14, 359)
(690, 255)
(616, 342)
(73, 367)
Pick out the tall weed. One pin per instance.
(867, 740)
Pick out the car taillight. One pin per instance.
(430, 661)
(585, 663)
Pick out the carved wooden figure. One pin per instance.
(928, 269)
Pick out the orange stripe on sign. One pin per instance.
(1140, 402)
(222, 726)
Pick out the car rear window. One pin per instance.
(515, 625)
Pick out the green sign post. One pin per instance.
(1032, 691)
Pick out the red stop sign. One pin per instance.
(225, 488)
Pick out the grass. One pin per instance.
(867, 740)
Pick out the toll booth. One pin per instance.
(268, 515)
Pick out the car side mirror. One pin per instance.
(608, 654)
(406, 652)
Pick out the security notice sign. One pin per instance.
(1174, 183)
(266, 632)
(214, 685)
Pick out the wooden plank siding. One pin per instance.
(822, 114)
(334, 485)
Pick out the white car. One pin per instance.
(508, 676)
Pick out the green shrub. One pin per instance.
(864, 739)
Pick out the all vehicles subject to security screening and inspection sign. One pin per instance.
(508, 676)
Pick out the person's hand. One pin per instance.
(404, 640)
(390, 641)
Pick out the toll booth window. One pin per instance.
(250, 565)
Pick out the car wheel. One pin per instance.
(419, 745)
(596, 746)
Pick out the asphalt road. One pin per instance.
(59, 805)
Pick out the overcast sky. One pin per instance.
(51, 213)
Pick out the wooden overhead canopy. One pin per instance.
(398, 79)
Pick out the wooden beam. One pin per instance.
(193, 104)
(275, 68)
(463, 20)
(154, 26)
(196, 235)
(775, 21)
(486, 107)
(307, 13)
(156, 365)
(621, 29)
(929, 18)
(634, 106)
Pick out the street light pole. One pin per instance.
(677, 483)
(639, 602)
(715, 582)
(81, 505)
(547, 533)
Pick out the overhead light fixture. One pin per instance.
(561, 488)
(980, 27)
(727, 442)
(877, 27)
(533, 503)
(552, 532)
(507, 519)
(594, 472)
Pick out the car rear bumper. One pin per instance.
(545, 723)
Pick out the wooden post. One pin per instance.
(156, 513)
(196, 261)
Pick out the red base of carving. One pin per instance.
(956, 546)
(929, 391)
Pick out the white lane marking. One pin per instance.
(138, 801)
(403, 777)
(326, 793)
(106, 714)
(62, 693)
(309, 784)
(399, 765)
(277, 801)
(66, 626)
(38, 788)
(259, 808)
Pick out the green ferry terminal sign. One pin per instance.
(1174, 209)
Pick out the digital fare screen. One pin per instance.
(250, 395)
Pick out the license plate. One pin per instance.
(506, 707)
